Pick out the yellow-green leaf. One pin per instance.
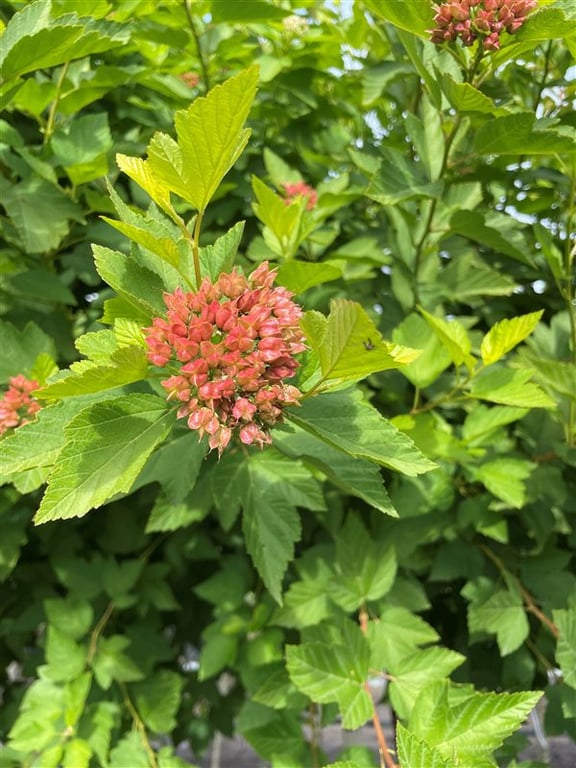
(506, 334)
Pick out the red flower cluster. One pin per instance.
(485, 20)
(17, 406)
(301, 189)
(231, 345)
(191, 79)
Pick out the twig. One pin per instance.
(97, 631)
(385, 756)
(49, 130)
(139, 725)
(529, 601)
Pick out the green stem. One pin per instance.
(98, 629)
(196, 36)
(49, 130)
(196, 248)
(432, 210)
(139, 725)
(542, 82)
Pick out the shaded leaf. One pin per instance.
(106, 447)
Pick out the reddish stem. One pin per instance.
(385, 756)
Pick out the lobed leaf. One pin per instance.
(106, 446)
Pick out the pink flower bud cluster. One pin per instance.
(301, 189)
(17, 406)
(483, 20)
(230, 346)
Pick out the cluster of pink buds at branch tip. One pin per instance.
(301, 189)
(483, 20)
(230, 347)
(17, 406)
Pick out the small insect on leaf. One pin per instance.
(368, 344)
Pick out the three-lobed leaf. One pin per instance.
(210, 138)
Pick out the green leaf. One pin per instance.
(399, 179)
(77, 754)
(82, 147)
(335, 672)
(138, 285)
(453, 336)
(281, 219)
(176, 466)
(348, 344)
(71, 617)
(65, 658)
(508, 386)
(20, 349)
(565, 620)
(164, 246)
(100, 720)
(218, 258)
(465, 98)
(76, 694)
(365, 570)
(111, 664)
(490, 231)
(412, 672)
(356, 477)
(396, 634)
(415, 753)
(211, 138)
(42, 286)
(482, 421)
(298, 276)
(504, 477)
(434, 357)
(522, 133)
(38, 443)
(157, 700)
(41, 213)
(348, 423)
(142, 173)
(127, 365)
(270, 486)
(247, 12)
(506, 334)
(470, 730)
(274, 735)
(503, 614)
(129, 752)
(305, 604)
(35, 727)
(468, 277)
(32, 41)
(106, 447)
(415, 16)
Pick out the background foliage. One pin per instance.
(251, 594)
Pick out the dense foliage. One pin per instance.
(289, 330)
